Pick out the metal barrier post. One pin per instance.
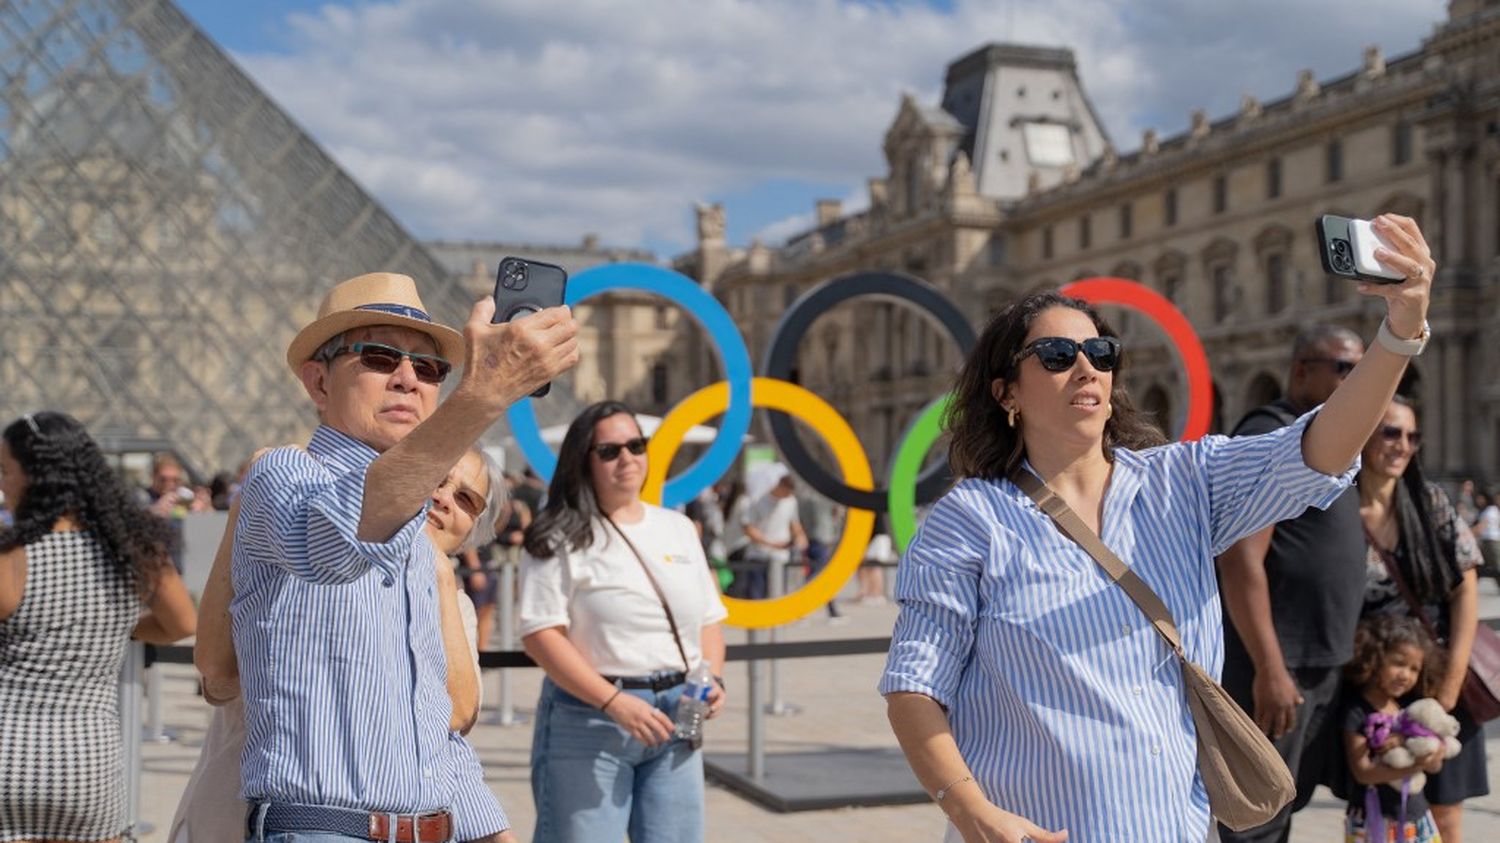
(508, 565)
(155, 732)
(131, 678)
(778, 707)
(756, 757)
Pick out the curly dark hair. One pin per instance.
(67, 475)
(567, 519)
(1378, 635)
(984, 444)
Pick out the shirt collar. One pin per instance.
(1124, 483)
(340, 450)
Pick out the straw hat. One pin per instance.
(378, 298)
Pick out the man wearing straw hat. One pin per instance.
(335, 618)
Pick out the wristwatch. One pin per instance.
(1406, 348)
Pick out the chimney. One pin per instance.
(829, 211)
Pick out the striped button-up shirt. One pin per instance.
(1062, 697)
(340, 653)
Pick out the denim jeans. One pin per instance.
(592, 781)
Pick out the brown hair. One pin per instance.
(1378, 635)
(984, 444)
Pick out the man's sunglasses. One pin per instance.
(1057, 354)
(1342, 367)
(610, 451)
(385, 359)
(1393, 434)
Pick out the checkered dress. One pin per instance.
(61, 775)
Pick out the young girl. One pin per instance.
(1390, 654)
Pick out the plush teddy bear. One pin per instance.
(1421, 729)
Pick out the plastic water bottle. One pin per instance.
(692, 706)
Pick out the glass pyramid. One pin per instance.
(164, 231)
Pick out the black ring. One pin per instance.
(782, 354)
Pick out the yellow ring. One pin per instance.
(789, 398)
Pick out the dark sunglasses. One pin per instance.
(1343, 367)
(610, 451)
(1056, 354)
(1393, 434)
(385, 359)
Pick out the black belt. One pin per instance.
(657, 684)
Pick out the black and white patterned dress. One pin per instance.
(61, 774)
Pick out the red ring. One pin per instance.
(1184, 339)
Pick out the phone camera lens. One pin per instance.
(1343, 256)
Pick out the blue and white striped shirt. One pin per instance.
(476, 813)
(340, 652)
(1062, 697)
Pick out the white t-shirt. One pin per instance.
(1489, 523)
(774, 518)
(603, 599)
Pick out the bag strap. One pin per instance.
(1073, 527)
(1389, 558)
(660, 595)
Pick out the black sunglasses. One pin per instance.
(1393, 434)
(610, 451)
(1056, 354)
(1342, 367)
(386, 359)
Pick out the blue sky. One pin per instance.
(538, 121)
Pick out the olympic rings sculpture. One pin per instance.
(740, 392)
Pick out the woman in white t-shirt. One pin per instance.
(604, 761)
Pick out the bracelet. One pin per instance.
(611, 699)
(719, 680)
(943, 791)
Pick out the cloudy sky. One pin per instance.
(540, 120)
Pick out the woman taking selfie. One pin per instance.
(77, 569)
(1422, 564)
(1031, 694)
(617, 603)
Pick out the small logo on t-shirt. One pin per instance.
(675, 558)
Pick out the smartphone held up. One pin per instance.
(1347, 248)
(524, 287)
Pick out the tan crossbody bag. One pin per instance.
(1248, 783)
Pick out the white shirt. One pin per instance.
(602, 598)
(1489, 523)
(774, 518)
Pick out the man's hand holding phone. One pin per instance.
(510, 360)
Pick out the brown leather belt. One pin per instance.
(280, 817)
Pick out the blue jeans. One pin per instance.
(592, 781)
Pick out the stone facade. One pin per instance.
(1218, 218)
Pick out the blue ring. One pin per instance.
(733, 355)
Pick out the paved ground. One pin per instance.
(840, 709)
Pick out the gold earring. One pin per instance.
(1010, 415)
(1109, 411)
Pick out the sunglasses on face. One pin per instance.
(1393, 434)
(386, 359)
(610, 451)
(1057, 354)
(1342, 367)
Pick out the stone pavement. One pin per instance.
(840, 709)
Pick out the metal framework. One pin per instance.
(164, 230)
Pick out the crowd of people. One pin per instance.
(338, 635)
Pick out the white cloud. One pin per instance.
(535, 120)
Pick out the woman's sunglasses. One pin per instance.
(610, 451)
(1057, 354)
(385, 359)
(1393, 434)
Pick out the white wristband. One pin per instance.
(1395, 345)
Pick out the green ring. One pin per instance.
(901, 500)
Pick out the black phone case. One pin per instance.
(525, 286)
(1336, 251)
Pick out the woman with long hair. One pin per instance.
(1033, 697)
(1422, 552)
(617, 604)
(77, 568)
(460, 518)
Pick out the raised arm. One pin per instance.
(505, 363)
(1335, 438)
